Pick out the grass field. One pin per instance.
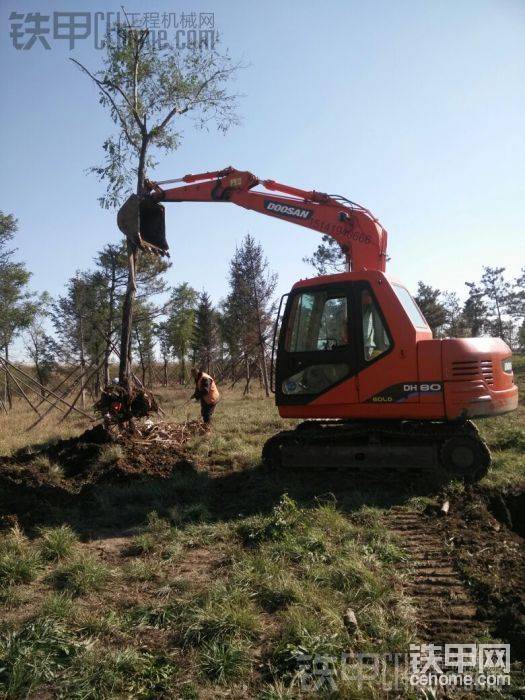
(211, 583)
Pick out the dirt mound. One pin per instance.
(60, 473)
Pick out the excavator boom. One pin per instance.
(358, 232)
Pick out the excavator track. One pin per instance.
(453, 448)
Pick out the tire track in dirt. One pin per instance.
(446, 612)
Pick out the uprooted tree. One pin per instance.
(147, 91)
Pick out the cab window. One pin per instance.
(375, 337)
(413, 311)
(318, 322)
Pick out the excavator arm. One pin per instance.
(357, 231)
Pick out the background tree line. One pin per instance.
(175, 327)
(180, 327)
(494, 306)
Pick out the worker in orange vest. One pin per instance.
(206, 392)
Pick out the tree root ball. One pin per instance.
(120, 405)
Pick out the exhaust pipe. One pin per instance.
(141, 220)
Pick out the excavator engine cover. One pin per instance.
(141, 220)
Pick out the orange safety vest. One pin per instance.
(212, 397)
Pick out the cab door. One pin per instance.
(316, 349)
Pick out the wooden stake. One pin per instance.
(26, 397)
(39, 387)
(81, 392)
(60, 384)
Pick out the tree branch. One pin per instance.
(176, 110)
(125, 97)
(101, 87)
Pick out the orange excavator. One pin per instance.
(354, 355)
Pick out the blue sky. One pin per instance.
(414, 108)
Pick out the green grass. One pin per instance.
(102, 672)
(81, 574)
(142, 569)
(35, 654)
(53, 471)
(57, 542)
(222, 662)
(19, 561)
(57, 606)
(222, 613)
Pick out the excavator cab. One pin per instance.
(141, 220)
(356, 345)
(333, 329)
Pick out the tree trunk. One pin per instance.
(109, 329)
(264, 370)
(124, 374)
(97, 384)
(125, 367)
(82, 360)
(7, 386)
(248, 377)
(165, 372)
(500, 324)
(182, 367)
(40, 377)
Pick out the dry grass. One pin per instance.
(14, 434)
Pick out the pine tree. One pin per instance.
(39, 345)
(144, 340)
(516, 300)
(495, 290)
(162, 334)
(77, 317)
(205, 333)
(181, 324)
(428, 300)
(248, 307)
(474, 310)
(17, 307)
(328, 257)
(455, 325)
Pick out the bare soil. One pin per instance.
(66, 472)
(465, 570)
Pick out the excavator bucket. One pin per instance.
(141, 220)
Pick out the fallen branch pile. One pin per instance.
(168, 435)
